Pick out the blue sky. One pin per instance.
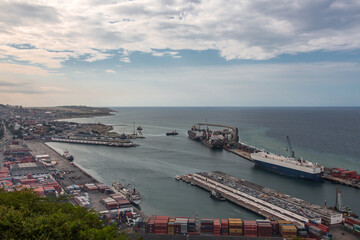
(180, 53)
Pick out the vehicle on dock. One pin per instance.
(289, 166)
(215, 194)
(172, 133)
(129, 191)
(68, 156)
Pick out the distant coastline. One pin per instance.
(69, 112)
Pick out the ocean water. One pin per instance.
(329, 136)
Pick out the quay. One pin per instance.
(263, 201)
(118, 143)
(240, 153)
(341, 181)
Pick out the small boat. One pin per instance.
(172, 133)
(139, 128)
(215, 194)
(177, 177)
(68, 156)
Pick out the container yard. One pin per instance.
(165, 227)
(25, 168)
(264, 201)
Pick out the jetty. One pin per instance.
(262, 200)
(111, 143)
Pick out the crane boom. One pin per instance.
(292, 153)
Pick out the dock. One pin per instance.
(240, 153)
(341, 181)
(115, 143)
(263, 201)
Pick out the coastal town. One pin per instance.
(28, 163)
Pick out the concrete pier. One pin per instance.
(96, 142)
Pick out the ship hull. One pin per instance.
(214, 146)
(288, 171)
(194, 136)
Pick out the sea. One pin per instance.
(328, 136)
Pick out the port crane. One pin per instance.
(290, 149)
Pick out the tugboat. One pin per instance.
(172, 133)
(68, 156)
(215, 194)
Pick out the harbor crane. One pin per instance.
(292, 153)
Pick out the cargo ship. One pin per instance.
(213, 138)
(195, 133)
(288, 166)
(68, 156)
(130, 192)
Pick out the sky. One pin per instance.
(180, 53)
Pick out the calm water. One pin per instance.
(330, 136)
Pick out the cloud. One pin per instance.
(28, 87)
(23, 70)
(59, 30)
(125, 59)
(166, 53)
(110, 71)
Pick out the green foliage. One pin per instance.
(25, 215)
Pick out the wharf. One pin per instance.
(341, 181)
(96, 142)
(263, 201)
(240, 153)
(147, 236)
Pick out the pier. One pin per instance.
(240, 153)
(116, 143)
(263, 201)
(341, 181)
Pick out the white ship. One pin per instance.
(288, 166)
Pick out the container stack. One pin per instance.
(353, 225)
(90, 187)
(171, 225)
(264, 228)
(207, 225)
(191, 225)
(224, 227)
(356, 229)
(250, 228)
(183, 222)
(301, 231)
(217, 227)
(110, 203)
(102, 187)
(288, 230)
(49, 191)
(275, 227)
(161, 223)
(140, 225)
(150, 225)
(235, 227)
(123, 202)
